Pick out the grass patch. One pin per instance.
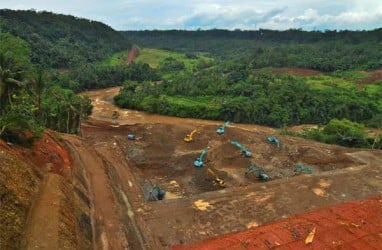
(116, 59)
(192, 101)
(154, 57)
(326, 82)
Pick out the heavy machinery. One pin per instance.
(131, 137)
(245, 152)
(156, 193)
(221, 129)
(217, 180)
(188, 137)
(299, 168)
(274, 140)
(260, 173)
(199, 161)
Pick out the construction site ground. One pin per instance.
(121, 172)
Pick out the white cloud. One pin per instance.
(243, 14)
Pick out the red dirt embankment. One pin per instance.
(354, 225)
(296, 71)
(133, 53)
(44, 200)
(48, 154)
(372, 77)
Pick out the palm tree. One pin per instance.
(38, 84)
(10, 79)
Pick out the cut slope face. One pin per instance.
(354, 225)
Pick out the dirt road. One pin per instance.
(121, 172)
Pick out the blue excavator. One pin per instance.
(274, 140)
(260, 173)
(156, 193)
(199, 161)
(221, 129)
(245, 152)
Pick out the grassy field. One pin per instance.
(326, 81)
(154, 57)
(115, 59)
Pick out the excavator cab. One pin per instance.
(156, 193)
(217, 180)
(188, 137)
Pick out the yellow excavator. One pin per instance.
(188, 137)
(217, 180)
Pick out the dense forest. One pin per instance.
(28, 101)
(325, 51)
(234, 92)
(62, 41)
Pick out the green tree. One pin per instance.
(345, 133)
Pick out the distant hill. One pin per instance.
(325, 51)
(62, 41)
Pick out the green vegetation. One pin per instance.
(342, 132)
(116, 59)
(62, 41)
(156, 57)
(230, 90)
(325, 51)
(29, 103)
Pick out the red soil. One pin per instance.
(354, 225)
(373, 77)
(133, 53)
(48, 154)
(296, 71)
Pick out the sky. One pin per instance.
(220, 14)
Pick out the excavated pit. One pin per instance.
(159, 155)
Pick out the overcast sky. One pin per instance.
(224, 14)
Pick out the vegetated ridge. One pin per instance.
(324, 51)
(62, 41)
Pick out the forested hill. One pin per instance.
(325, 51)
(62, 41)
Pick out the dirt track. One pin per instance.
(194, 208)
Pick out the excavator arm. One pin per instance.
(245, 152)
(199, 161)
(188, 137)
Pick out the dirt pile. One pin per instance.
(19, 186)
